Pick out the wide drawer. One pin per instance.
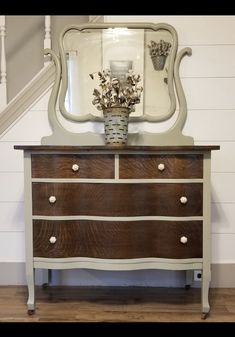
(160, 166)
(117, 240)
(72, 166)
(146, 199)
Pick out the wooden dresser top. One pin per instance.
(108, 148)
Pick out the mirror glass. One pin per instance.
(144, 51)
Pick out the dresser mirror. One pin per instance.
(149, 50)
(144, 51)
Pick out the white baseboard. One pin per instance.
(13, 273)
(223, 275)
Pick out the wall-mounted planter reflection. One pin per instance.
(159, 52)
(158, 62)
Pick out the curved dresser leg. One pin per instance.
(205, 294)
(31, 292)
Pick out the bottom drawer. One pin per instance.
(117, 239)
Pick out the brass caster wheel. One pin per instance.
(205, 315)
(31, 312)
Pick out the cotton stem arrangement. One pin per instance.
(114, 94)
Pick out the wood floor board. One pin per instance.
(115, 304)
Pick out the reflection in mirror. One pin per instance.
(144, 51)
(83, 51)
(157, 98)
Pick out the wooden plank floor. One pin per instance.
(115, 304)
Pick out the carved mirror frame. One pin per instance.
(172, 136)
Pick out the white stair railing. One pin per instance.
(47, 39)
(3, 67)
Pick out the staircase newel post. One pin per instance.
(47, 39)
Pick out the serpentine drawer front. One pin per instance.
(117, 239)
(117, 208)
(107, 199)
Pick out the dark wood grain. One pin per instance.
(60, 166)
(117, 240)
(142, 166)
(117, 199)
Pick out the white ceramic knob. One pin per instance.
(52, 239)
(183, 200)
(52, 199)
(75, 167)
(183, 239)
(161, 167)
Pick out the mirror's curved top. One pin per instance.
(89, 48)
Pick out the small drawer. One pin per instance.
(160, 166)
(99, 199)
(73, 166)
(117, 239)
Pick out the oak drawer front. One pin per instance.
(144, 199)
(117, 240)
(160, 166)
(73, 166)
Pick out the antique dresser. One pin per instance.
(143, 205)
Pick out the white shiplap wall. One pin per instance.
(27, 130)
(208, 77)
